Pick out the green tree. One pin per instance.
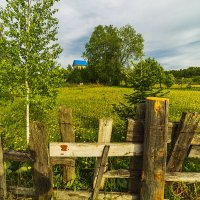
(109, 50)
(102, 53)
(144, 76)
(169, 80)
(30, 29)
(131, 45)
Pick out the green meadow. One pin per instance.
(89, 104)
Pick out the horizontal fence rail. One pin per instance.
(94, 149)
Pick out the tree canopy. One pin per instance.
(146, 74)
(186, 73)
(109, 50)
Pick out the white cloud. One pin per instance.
(169, 27)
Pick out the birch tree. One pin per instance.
(30, 29)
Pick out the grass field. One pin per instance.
(89, 104)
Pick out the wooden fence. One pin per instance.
(146, 144)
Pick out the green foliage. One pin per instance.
(18, 173)
(196, 80)
(181, 191)
(102, 53)
(190, 76)
(186, 73)
(131, 45)
(30, 30)
(169, 80)
(144, 76)
(12, 121)
(78, 76)
(29, 69)
(109, 50)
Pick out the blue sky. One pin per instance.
(170, 28)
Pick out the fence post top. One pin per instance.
(157, 99)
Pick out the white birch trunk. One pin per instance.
(26, 80)
(27, 113)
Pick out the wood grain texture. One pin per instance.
(42, 174)
(190, 177)
(104, 136)
(155, 140)
(135, 133)
(94, 149)
(100, 172)
(21, 156)
(67, 135)
(182, 140)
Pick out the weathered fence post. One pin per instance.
(104, 136)
(155, 141)
(135, 133)
(2, 175)
(42, 173)
(67, 135)
(182, 140)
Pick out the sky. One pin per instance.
(170, 28)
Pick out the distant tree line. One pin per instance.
(190, 75)
(186, 73)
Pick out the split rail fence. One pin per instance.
(146, 144)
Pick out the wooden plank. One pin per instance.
(122, 173)
(182, 140)
(85, 195)
(74, 195)
(22, 191)
(104, 136)
(3, 191)
(94, 149)
(155, 140)
(60, 160)
(194, 152)
(67, 135)
(135, 133)
(42, 174)
(100, 172)
(172, 129)
(190, 177)
(135, 129)
(21, 156)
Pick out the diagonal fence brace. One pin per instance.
(100, 172)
